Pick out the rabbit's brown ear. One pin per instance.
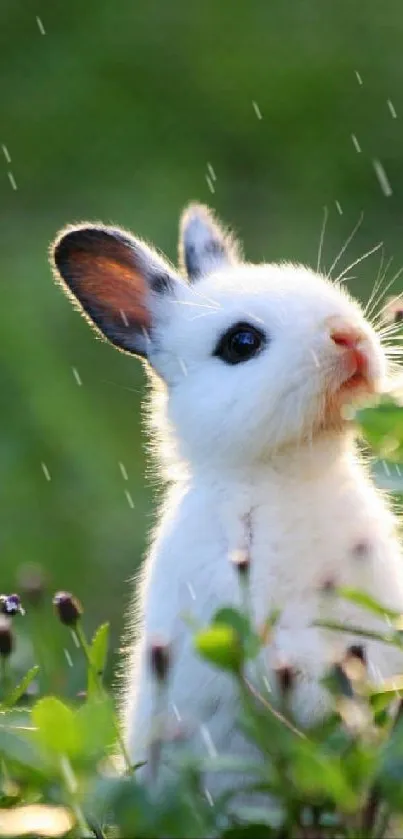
(115, 281)
(204, 245)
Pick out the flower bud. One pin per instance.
(357, 651)
(67, 607)
(160, 660)
(285, 675)
(241, 561)
(10, 604)
(6, 637)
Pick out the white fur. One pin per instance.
(261, 465)
(259, 455)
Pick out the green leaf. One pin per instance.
(385, 693)
(57, 727)
(220, 645)
(249, 639)
(316, 773)
(382, 426)
(95, 722)
(98, 654)
(17, 748)
(367, 602)
(12, 698)
(392, 638)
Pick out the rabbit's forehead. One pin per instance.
(270, 294)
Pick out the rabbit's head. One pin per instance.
(253, 357)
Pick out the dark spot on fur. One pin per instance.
(328, 585)
(361, 549)
(357, 651)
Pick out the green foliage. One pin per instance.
(114, 114)
(64, 770)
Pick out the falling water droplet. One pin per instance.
(45, 471)
(210, 184)
(356, 143)
(392, 109)
(211, 172)
(257, 110)
(382, 177)
(77, 376)
(129, 499)
(6, 153)
(40, 25)
(123, 471)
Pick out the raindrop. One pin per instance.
(392, 109)
(40, 25)
(6, 153)
(68, 658)
(338, 207)
(182, 365)
(45, 471)
(210, 184)
(212, 751)
(123, 471)
(191, 591)
(77, 376)
(129, 499)
(257, 110)
(11, 178)
(315, 357)
(382, 177)
(356, 143)
(358, 76)
(211, 172)
(209, 797)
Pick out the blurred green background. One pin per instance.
(114, 111)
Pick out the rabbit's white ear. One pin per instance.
(114, 279)
(204, 245)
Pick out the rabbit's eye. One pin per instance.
(240, 343)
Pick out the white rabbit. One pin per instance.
(253, 368)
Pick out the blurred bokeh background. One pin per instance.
(123, 112)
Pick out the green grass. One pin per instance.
(60, 735)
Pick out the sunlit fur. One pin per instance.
(258, 463)
(261, 458)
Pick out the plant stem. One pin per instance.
(5, 676)
(71, 784)
(83, 643)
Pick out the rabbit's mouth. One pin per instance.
(354, 381)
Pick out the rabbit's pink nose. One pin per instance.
(353, 347)
(348, 337)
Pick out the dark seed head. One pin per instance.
(357, 651)
(241, 561)
(285, 675)
(6, 637)
(10, 604)
(160, 660)
(67, 607)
